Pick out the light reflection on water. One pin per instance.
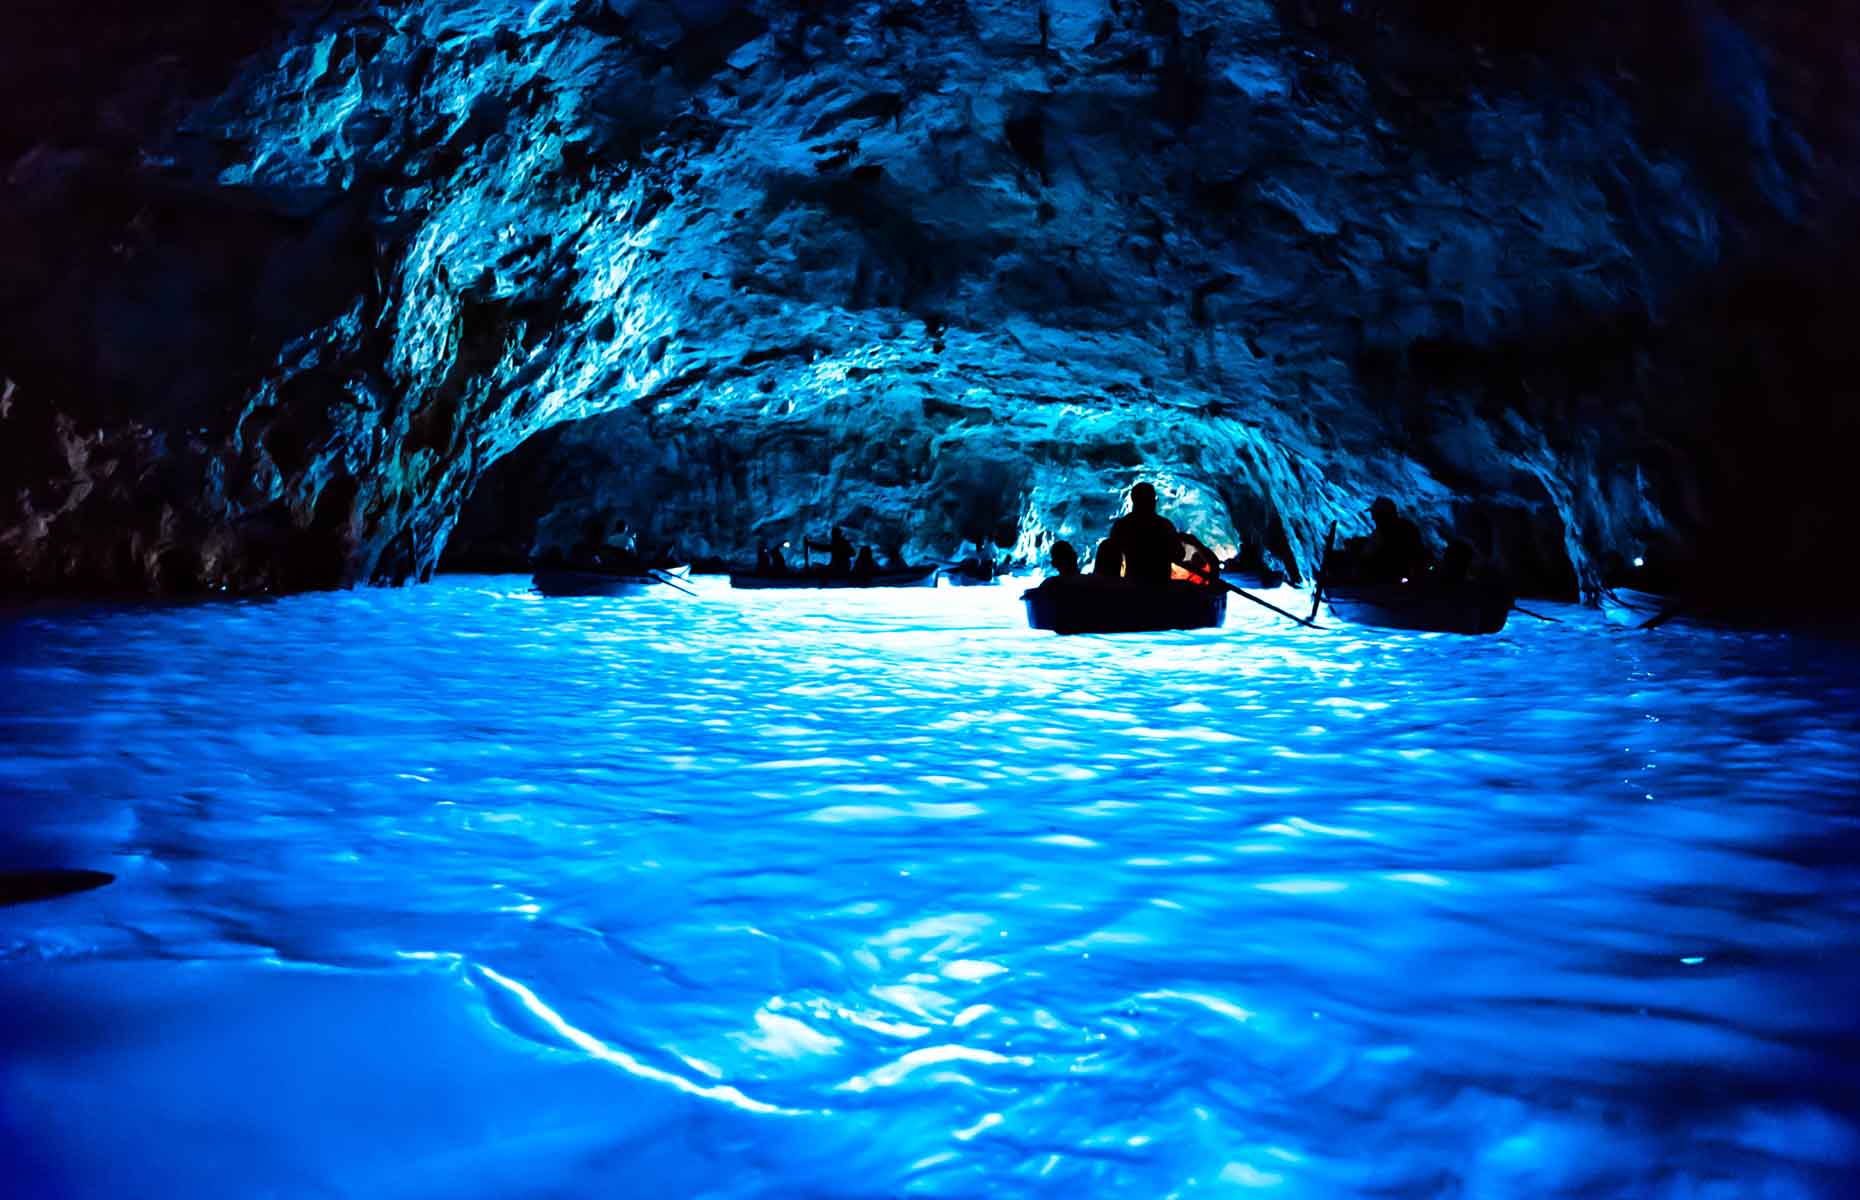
(455, 891)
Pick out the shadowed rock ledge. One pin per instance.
(278, 293)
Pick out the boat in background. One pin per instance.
(901, 577)
(1254, 581)
(575, 581)
(971, 574)
(1629, 606)
(1088, 604)
(1424, 607)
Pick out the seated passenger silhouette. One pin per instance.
(840, 552)
(1395, 550)
(1065, 560)
(982, 566)
(866, 563)
(1108, 561)
(620, 549)
(1143, 544)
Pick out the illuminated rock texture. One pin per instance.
(1572, 283)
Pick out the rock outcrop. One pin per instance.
(1569, 282)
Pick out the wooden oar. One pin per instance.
(1240, 591)
(666, 577)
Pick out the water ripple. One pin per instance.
(872, 895)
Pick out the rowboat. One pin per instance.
(1089, 604)
(1426, 607)
(1628, 606)
(971, 574)
(566, 581)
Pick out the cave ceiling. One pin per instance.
(281, 293)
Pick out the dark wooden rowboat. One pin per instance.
(971, 574)
(1425, 607)
(565, 581)
(1084, 604)
(905, 577)
(1628, 606)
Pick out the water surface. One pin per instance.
(454, 891)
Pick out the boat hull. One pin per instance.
(1627, 606)
(557, 581)
(1087, 605)
(910, 577)
(1470, 609)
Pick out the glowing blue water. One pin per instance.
(454, 891)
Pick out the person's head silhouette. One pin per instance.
(1065, 558)
(1143, 499)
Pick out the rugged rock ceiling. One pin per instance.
(280, 287)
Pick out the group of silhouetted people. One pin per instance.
(1394, 552)
(1145, 547)
(770, 560)
(843, 558)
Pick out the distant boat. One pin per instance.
(1254, 581)
(1629, 606)
(972, 574)
(566, 581)
(902, 577)
(1087, 604)
(1424, 607)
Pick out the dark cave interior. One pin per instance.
(303, 295)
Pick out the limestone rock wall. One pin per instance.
(931, 267)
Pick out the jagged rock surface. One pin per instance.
(936, 269)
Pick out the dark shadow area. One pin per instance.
(1748, 426)
(49, 883)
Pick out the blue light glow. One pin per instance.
(460, 891)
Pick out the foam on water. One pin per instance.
(456, 891)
